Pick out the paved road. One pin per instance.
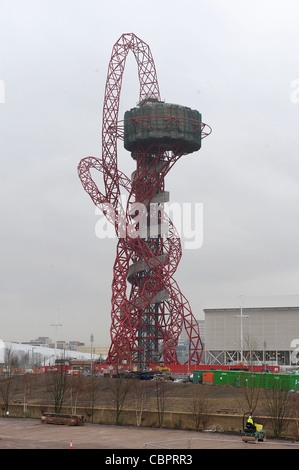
(31, 434)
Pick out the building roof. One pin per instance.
(44, 353)
(264, 309)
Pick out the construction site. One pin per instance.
(143, 394)
(162, 408)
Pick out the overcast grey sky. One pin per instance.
(235, 62)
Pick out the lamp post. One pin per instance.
(32, 365)
(241, 316)
(91, 343)
(56, 326)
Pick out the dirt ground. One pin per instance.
(18, 433)
(179, 396)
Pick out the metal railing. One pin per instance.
(189, 441)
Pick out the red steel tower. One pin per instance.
(149, 310)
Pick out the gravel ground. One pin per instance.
(31, 434)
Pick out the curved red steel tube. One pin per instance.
(147, 322)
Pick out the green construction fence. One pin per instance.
(252, 379)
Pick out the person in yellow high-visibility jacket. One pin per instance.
(250, 423)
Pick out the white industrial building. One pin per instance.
(266, 335)
(28, 355)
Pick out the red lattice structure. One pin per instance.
(149, 311)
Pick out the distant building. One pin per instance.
(40, 341)
(269, 335)
(97, 351)
(60, 344)
(29, 355)
(202, 331)
(75, 345)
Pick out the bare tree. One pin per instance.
(199, 406)
(249, 381)
(293, 411)
(250, 384)
(277, 403)
(141, 389)
(252, 355)
(93, 390)
(27, 384)
(9, 380)
(75, 386)
(57, 386)
(119, 390)
(161, 390)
